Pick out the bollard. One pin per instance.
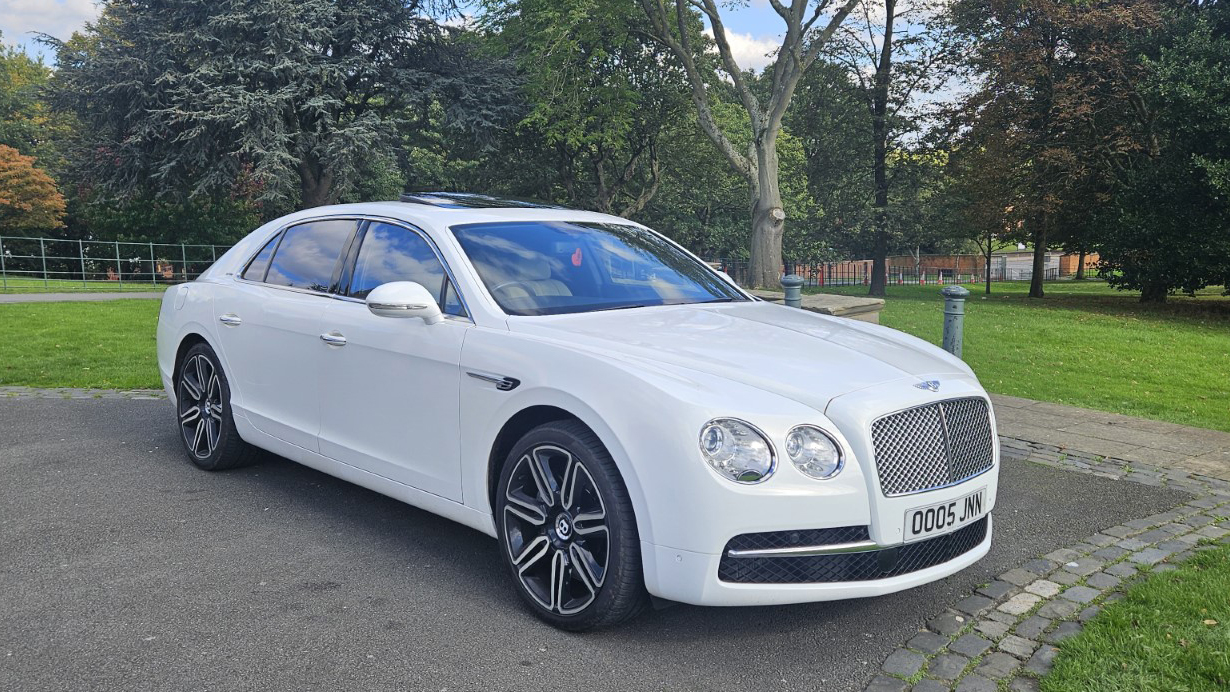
(793, 286)
(954, 317)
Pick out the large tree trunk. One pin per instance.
(1039, 271)
(1080, 267)
(768, 219)
(315, 185)
(879, 131)
(1154, 293)
(988, 255)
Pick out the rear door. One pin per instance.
(390, 386)
(269, 328)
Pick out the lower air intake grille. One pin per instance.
(842, 567)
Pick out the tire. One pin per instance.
(587, 516)
(203, 414)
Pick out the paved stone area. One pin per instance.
(127, 568)
(83, 296)
(1098, 438)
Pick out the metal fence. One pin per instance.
(858, 273)
(41, 264)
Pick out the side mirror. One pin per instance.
(404, 299)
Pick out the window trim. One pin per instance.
(281, 235)
(349, 258)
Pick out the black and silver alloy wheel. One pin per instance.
(555, 529)
(200, 406)
(203, 411)
(567, 529)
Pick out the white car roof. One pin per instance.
(443, 215)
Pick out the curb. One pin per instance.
(74, 393)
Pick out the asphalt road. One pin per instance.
(124, 567)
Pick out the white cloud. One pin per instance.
(59, 18)
(751, 52)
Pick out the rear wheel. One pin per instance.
(567, 529)
(203, 407)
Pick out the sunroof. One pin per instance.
(467, 200)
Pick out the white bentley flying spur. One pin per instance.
(624, 420)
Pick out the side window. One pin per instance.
(393, 253)
(260, 263)
(309, 253)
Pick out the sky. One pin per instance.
(752, 29)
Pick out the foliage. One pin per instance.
(809, 27)
(1168, 227)
(27, 122)
(199, 98)
(600, 95)
(197, 221)
(1055, 105)
(29, 200)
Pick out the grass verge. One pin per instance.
(1087, 345)
(1171, 632)
(107, 345)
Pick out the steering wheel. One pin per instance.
(529, 290)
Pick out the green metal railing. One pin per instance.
(50, 264)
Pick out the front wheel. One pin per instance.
(567, 529)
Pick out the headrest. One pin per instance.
(537, 269)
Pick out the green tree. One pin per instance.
(1058, 84)
(600, 94)
(1167, 226)
(289, 98)
(809, 26)
(27, 122)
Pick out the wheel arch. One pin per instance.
(186, 342)
(513, 430)
(533, 415)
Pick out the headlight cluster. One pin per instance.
(742, 453)
(813, 452)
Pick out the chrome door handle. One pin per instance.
(333, 339)
(230, 319)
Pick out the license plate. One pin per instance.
(944, 517)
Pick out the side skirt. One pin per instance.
(479, 521)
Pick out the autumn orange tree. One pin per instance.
(29, 200)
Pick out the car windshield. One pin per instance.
(555, 267)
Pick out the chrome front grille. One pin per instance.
(932, 446)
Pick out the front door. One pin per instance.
(390, 386)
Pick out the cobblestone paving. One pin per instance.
(1004, 635)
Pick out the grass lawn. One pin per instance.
(1086, 344)
(1170, 632)
(27, 284)
(107, 345)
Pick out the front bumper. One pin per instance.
(689, 577)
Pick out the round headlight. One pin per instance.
(813, 452)
(737, 450)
